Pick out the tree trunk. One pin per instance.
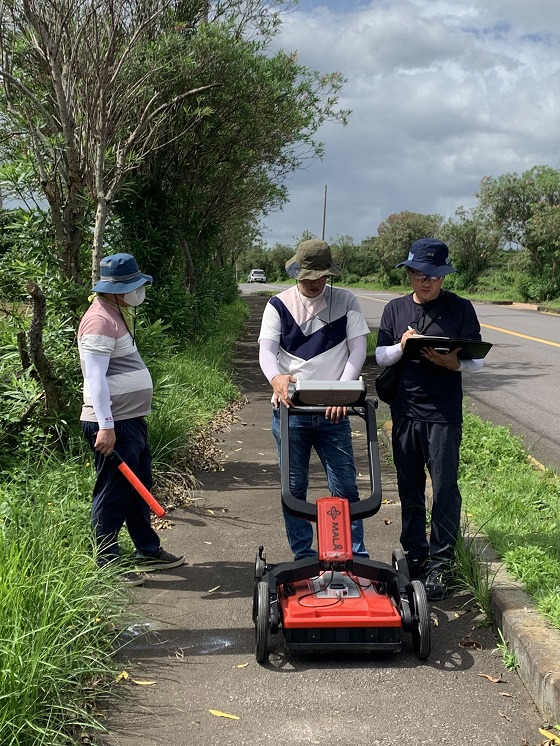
(98, 238)
(40, 361)
(190, 270)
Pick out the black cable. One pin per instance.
(314, 593)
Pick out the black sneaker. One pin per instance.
(131, 578)
(417, 568)
(438, 585)
(161, 560)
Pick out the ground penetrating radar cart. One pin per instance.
(336, 601)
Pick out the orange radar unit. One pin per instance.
(336, 601)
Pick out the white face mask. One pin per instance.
(135, 297)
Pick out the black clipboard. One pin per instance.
(471, 349)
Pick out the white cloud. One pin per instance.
(442, 93)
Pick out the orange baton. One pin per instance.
(131, 477)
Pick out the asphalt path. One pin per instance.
(190, 649)
(520, 382)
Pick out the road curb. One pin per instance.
(535, 643)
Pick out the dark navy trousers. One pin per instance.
(115, 501)
(416, 446)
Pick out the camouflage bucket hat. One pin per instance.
(312, 260)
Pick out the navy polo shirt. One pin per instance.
(428, 392)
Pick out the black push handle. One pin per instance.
(308, 510)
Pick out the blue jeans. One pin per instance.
(115, 501)
(333, 444)
(435, 445)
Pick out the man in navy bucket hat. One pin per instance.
(428, 256)
(427, 410)
(117, 397)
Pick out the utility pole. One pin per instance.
(324, 214)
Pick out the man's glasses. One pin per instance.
(421, 277)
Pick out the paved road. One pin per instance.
(200, 652)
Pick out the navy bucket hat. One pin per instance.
(430, 256)
(120, 274)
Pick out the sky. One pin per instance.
(442, 93)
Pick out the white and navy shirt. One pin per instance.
(313, 333)
(103, 331)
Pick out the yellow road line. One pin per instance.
(523, 336)
(379, 300)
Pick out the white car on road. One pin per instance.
(256, 275)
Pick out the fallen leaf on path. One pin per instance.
(388, 521)
(213, 589)
(551, 737)
(237, 479)
(219, 714)
(468, 643)
(121, 676)
(493, 679)
(210, 509)
(505, 717)
(208, 542)
(505, 694)
(242, 665)
(142, 683)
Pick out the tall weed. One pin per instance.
(518, 507)
(59, 612)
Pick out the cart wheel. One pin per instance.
(260, 563)
(400, 563)
(260, 569)
(261, 623)
(420, 621)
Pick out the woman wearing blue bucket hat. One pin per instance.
(117, 397)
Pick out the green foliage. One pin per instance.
(516, 506)
(61, 615)
(472, 575)
(472, 245)
(59, 611)
(510, 200)
(194, 383)
(509, 659)
(537, 289)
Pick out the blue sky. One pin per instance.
(443, 93)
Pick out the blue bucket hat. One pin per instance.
(430, 256)
(120, 274)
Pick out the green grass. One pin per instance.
(195, 384)
(59, 611)
(60, 614)
(516, 506)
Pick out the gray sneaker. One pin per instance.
(131, 578)
(161, 560)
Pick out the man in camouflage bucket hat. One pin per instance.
(307, 330)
